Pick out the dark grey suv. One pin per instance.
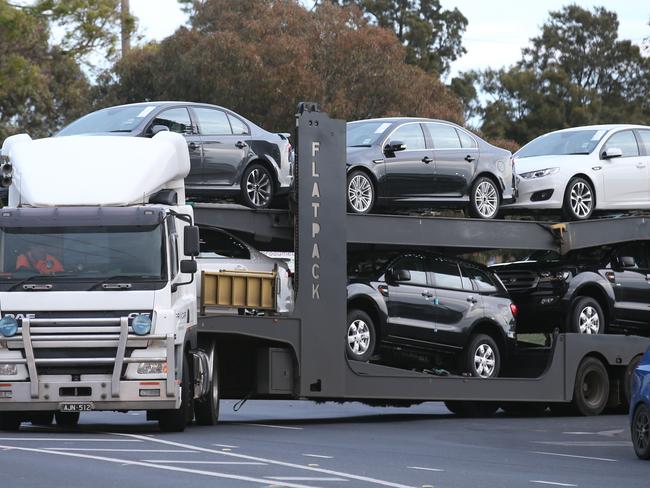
(229, 155)
(445, 308)
(424, 162)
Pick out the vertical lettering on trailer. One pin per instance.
(315, 225)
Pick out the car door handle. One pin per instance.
(427, 160)
(427, 294)
(194, 146)
(469, 158)
(472, 300)
(240, 144)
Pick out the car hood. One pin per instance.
(523, 165)
(359, 154)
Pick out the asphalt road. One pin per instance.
(302, 444)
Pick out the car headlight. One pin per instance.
(539, 173)
(554, 275)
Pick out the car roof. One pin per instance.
(607, 127)
(393, 120)
(396, 253)
(169, 103)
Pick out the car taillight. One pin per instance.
(514, 309)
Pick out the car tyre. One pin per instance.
(579, 199)
(360, 192)
(206, 410)
(176, 420)
(484, 199)
(67, 419)
(481, 357)
(587, 317)
(591, 389)
(360, 338)
(257, 186)
(641, 431)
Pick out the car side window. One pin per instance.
(637, 250)
(445, 274)
(644, 135)
(411, 135)
(415, 266)
(481, 281)
(444, 136)
(238, 127)
(175, 119)
(212, 122)
(625, 141)
(215, 243)
(467, 141)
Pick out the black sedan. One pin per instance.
(229, 155)
(424, 162)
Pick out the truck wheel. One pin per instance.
(484, 199)
(481, 357)
(41, 418)
(206, 410)
(257, 186)
(591, 390)
(361, 338)
(360, 193)
(471, 409)
(579, 200)
(10, 421)
(587, 317)
(641, 432)
(176, 420)
(66, 419)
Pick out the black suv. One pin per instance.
(429, 304)
(590, 291)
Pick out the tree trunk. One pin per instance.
(125, 25)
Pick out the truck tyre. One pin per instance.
(641, 431)
(484, 199)
(360, 193)
(41, 418)
(481, 357)
(257, 186)
(206, 410)
(66, 419)
(10, 421)
(472, 409)
(177, 419)
(579, 200)
(361, 338)
(591, 389)
(587, 317)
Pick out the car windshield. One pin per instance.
(114, 119)
(364, 134)
(562, 143)
(81, 254)
(368, 265)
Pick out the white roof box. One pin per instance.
(95, 170)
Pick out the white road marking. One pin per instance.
(72, 439)
(610, 433)
(126, 462)
(93, 449)
(424, 469)
(269, 461)
(580, 433)
(554, 483)
(303, 478)
(586, 443)
(273, 426)
(320, 456)
(225, 445)
(246, 463)
(574, 456)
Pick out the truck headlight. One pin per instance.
(539, 173)
(8, 326)
(8, 369)
(141, 325)
(152, 368)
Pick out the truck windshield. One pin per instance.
(84, 255)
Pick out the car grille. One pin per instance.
(518, 280)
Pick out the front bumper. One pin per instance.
(528, 192)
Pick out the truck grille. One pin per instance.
(518, 280)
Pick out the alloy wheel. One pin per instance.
(484, 361)
(358, 337)
(360, 193)
(259, 187)
(589, 321)
(581, 199)
(641, 434)
(487, 199)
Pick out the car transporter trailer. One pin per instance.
(302, 356)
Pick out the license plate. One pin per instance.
(76, 407)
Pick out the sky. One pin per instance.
(496, 32)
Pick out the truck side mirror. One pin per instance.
(188, 266)
(191, 245)
(627, 262)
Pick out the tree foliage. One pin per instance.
(576, 72)
(260, 57)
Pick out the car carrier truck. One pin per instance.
(124, 330)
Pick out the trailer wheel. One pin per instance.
(587, 317)
(206, 410)
(177, 419)
(481, 357)
(361, 338)
(66, 419)
(591, 389)
(471, 409)
(10, 421)
(641, 432)
(41, 418)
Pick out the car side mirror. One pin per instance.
(158, 128)
(191, 241)
(627, 262)
(612, 152)
(395, 146)
(188, 266)
(400, 275)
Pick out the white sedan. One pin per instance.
(583, 169)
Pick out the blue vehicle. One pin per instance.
(640, 408)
